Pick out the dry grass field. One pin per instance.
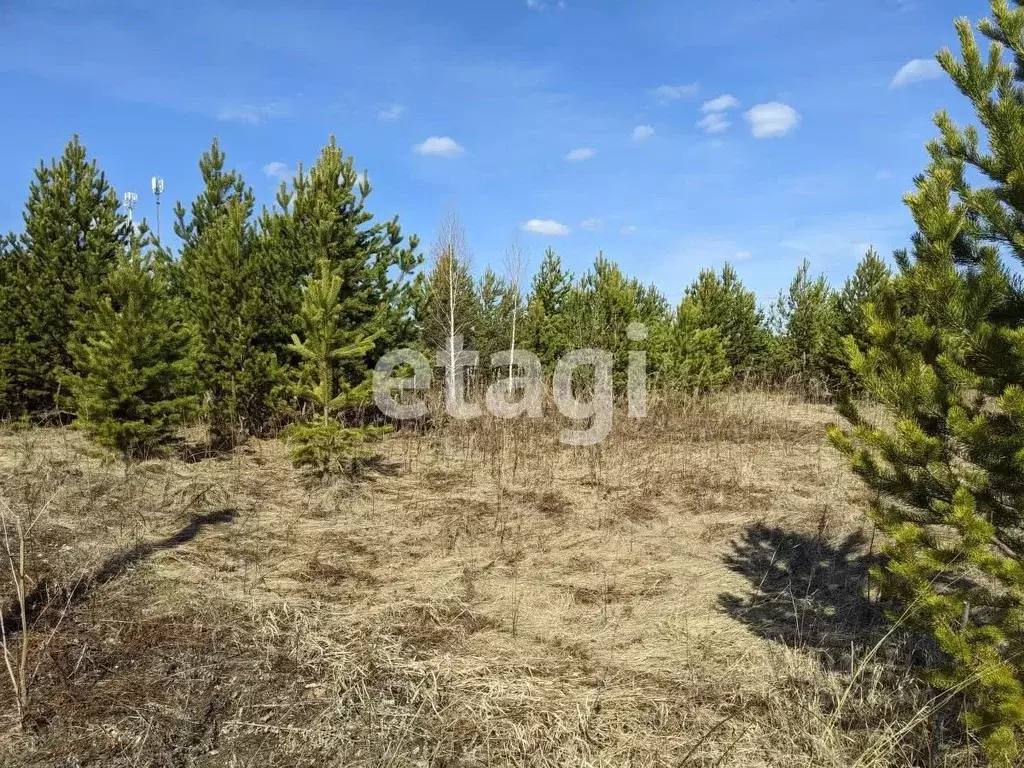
(691, 592)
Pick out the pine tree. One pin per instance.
(600, 309)
(493, 322)
(698, 355)
(220, 188)
(722, 302)
(324, 444)
(544, 329)
(224, 296)
(946, 358)
(323, 214)
(133, 367)
(861, 290)
(806, 320)
(53, 272)
(8, 245)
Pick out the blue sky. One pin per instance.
(673, 135)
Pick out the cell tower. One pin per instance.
(158, 189)
(131, 199)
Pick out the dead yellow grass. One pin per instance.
(687, 593)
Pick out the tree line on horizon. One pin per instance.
(272, 321)
(101, 323)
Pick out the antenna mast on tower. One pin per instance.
(131, 199)
(158, 190)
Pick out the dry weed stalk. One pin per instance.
(18, 528)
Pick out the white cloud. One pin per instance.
(546, 227)
(629, 229)
(666, 94)
(642, 133)
(250, 114)
(714, 122)
(540, 5)
(440, 146)
(741, 255)
(277, 170)
(915, 71)
(721, 103)
(578, 155)
(391, 113)
(771, 120)
(592, 225)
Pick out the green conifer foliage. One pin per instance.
(946, 357)
(862, 288)
(220, 188)
(721, 301)
(323, 444)
(446, 302)
(493, 332)
(323, 214)
(698, 356)
(806, 321)
(133, 368)
(544, 324)
(53, 272)
(225, 301)
(602, 306)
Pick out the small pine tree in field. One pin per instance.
(946, 358)
(544, 324)
(806, 320)
(132, 368)
(323, 444)
(722, 302)
(863, 287)
(861, 290)
(698, 358)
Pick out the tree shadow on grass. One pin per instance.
(47, 598)
(806, 591)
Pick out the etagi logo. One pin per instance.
(521, 391)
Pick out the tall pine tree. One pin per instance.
(224, 297)
(322, 214)
(53, 273)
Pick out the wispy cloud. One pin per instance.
(546, 227)
(440, 146)
(581, 154)
(390, 113)
(251, 114)
(715, 119)
(714, 122)
(771, 120)
(916, 71)
(277, 170)
(666, 94)
(592, 225)
(629, 229)
(540, 5)
(642, 133)
(721, 103)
